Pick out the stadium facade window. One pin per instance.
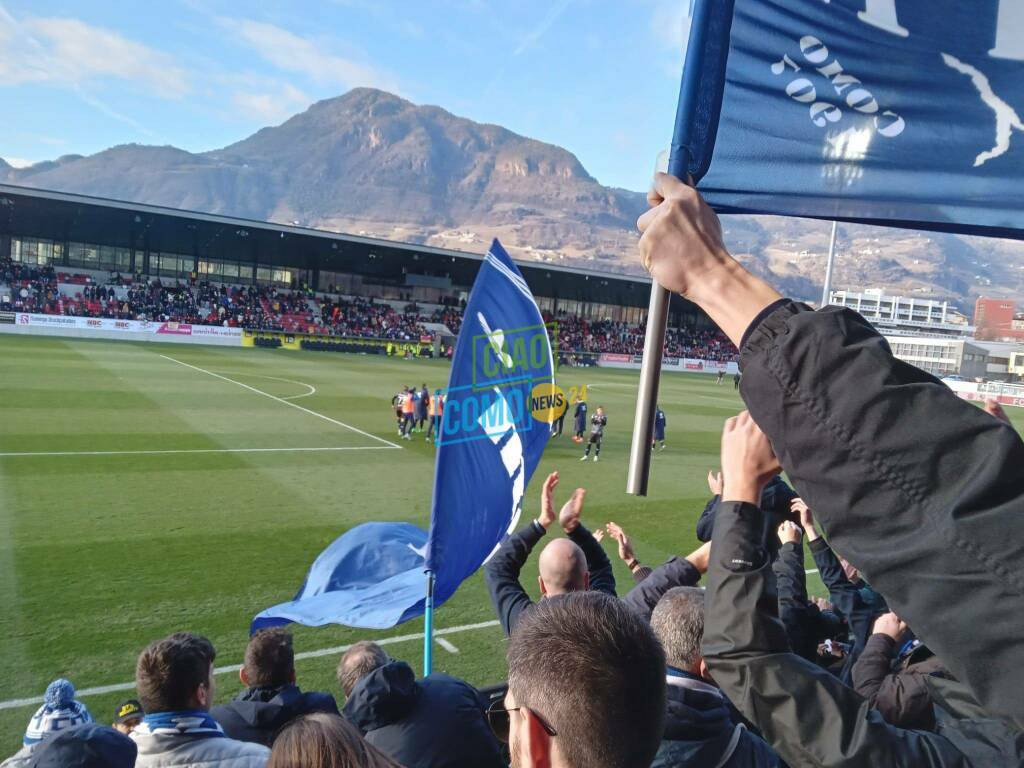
(107, 257)
(30, 250)
(275, 276)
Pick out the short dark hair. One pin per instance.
(270, 658)
(170, 670)
(678, 623)
(594, 671)
(359, 661)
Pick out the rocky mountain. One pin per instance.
(372, 163)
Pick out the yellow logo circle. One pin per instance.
(547, 402)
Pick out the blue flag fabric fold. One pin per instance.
(489, 444)
(897, 112)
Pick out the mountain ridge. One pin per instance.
(369, 162)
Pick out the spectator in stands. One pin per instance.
(86, 746)
(437, 722)
(898, 469)
(807, 626)
(674, 572)
(806, 714)
(59, 711)
(175, 682)
(127, 716)
(566, 565)
(852, 598)
(271, 698)
(699, 729)
(893, 675)
(325, 741)
(586, 686)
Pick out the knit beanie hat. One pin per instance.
(59, 711)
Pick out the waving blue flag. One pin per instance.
(898, 112)
(488, 446)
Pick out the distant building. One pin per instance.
(904, 315)
(998, 319)
(941, 356)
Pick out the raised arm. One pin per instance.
(600, 567)
(803, 712)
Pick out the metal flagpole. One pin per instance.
(657, 309)
(428, 627)
(827, 288)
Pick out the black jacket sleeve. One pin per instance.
(641, 573)
(602, 578)
(808, 716)
(922, 490)
(706, 521)
(502, 575)
(674, 572)
(798, 615)
(903, 697)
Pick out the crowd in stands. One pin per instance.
(910, 500)
(266, 308)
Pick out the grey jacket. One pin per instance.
(162, 750)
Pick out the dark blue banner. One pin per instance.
(496, 414)
(901, 112)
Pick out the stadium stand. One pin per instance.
(24, 288)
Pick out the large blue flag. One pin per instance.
(900, 112)
(496, 414)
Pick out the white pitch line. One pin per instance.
(18, 454)
(811, 570)
(103, 689)
(281, 400)
(447, 645)
(310, 387)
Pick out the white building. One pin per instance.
(904, 315)
(941, 356)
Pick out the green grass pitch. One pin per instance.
(102, 552)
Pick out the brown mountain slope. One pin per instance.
(371, 162)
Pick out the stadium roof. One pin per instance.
(68, 217)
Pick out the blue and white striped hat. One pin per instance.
(59, 711)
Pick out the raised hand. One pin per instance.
(890, 624)
(569, 516)
(599, 535)
(626, 552)
(799, 507)
(789, 532)
(547, 500)
(715, 482)
(993, 408)
(699, 557)
(748, 460)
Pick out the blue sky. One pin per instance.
(599, 77)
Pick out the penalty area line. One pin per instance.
(281, 400)
(164, 451)
(104, 689)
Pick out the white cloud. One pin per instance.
(270, 102)
(291, 53)
(18, 162)
(69, 52)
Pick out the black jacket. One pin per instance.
(775, 501)
(898, 687)
(806, 625)
(856, 602)
(700, 732)
(257, 714)
(438, 722)
(502, 571)
(803, 712)
(674, 572)
(921, 490)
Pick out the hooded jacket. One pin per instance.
(162, 750)
(258, 714)
(700, 731)
(438, 722)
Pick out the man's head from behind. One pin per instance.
(176, 674)
(586, 685)
(359, 661)
(563, 568)
(678, 623)
(269, 660)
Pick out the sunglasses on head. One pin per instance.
(500, 721)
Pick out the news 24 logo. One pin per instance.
(512, 386)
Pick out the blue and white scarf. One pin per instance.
(188, 722)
